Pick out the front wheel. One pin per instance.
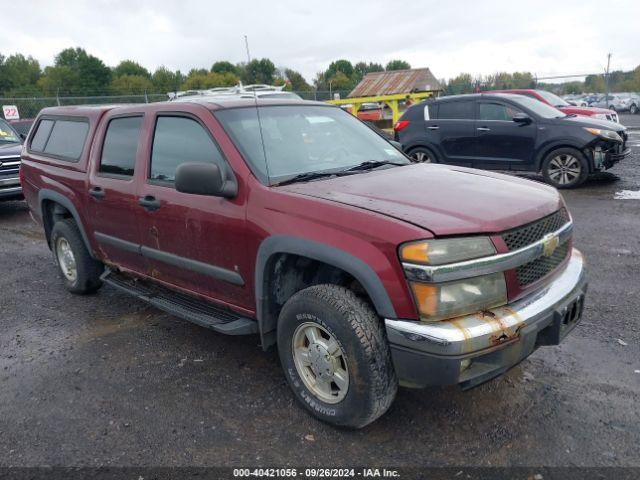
(335, 355)
(565, 168)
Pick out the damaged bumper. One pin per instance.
(474, 348)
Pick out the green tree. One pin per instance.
(58, 80)
(225, 67)
(360, 69)
(397, 65)
(463, 83)
(18, 74)
(90, 75)
(341, 82)
(164, 80)
(130, 85)
(201, 81)
(296, 80)
(259, 71)
(129, 67)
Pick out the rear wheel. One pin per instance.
(423, 155)
(565, 168)
(335, 355)
(80, 272)
(633, 109)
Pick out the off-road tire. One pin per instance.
(418, 155)
(360, 333)
(548, 170)
(88, 269)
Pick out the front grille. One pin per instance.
(538, 268)
(532, 232)
(9, 165)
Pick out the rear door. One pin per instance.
(112, 197)
(192, 242)
(454, 131)
(502, 143)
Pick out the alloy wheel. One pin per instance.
(320, 362)
(421, 157)
(564, 169)
(66, 259)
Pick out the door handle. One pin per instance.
(483, 129)
(97, 192)
(149, 202)
(433, 127)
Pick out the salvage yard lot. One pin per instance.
(106, 380)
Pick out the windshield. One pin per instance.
(553, 99)
(539, 108)
(303, 139)
(8, 134)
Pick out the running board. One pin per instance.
(181, 305)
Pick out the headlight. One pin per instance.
(439, 252)
(447, 300)
(438, 301)
(607, 134)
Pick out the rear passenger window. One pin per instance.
(462, 110)
(60, 138)
(179, 140)
(120, 146)
(431, 111)
(42, 135)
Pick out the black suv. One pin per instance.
(511, 132)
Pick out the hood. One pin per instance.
(588, 111)
(580, 121)
(10, 149)
(443, 199)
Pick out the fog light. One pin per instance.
(464, 364)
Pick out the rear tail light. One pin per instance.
(400, 125)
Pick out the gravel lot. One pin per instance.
(106, 380)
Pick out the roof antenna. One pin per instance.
(255, 97)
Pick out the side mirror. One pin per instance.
(522, 118)
(204, 179)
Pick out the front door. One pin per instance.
(113, 204)
(193, 242)
(502, 143)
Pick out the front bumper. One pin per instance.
(10, 187)
(471, 349)
(611, 158)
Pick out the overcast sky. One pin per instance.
(450, 37)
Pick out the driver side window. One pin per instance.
(497, 111)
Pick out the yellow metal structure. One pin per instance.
(390, 100)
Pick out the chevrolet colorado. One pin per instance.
(294, 221)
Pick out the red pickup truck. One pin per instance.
(562, 105)
(294, 221)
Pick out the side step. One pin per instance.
(181, 305)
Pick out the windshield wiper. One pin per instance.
(370, 164)
(305, 177)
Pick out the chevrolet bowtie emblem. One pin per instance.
(549, 244)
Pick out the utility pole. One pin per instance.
(606, 78)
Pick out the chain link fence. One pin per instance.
(28, 107)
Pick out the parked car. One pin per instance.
(557, 102)
(10, 148)
(620, 102)
(303, 225)
(511, 132)
(370, 112)
(576, 100)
